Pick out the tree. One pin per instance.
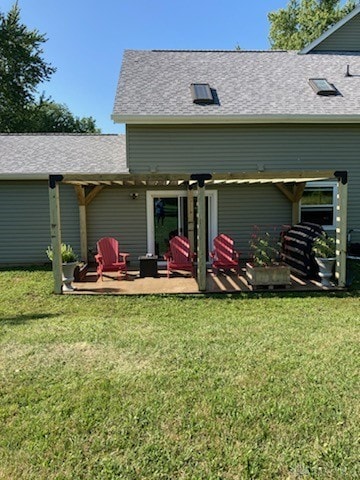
(49, 116)
(302, 21)
(22, 69)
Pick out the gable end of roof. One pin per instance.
(331, 30)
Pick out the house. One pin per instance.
(242, 137)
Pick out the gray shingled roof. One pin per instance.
(39, 154)
(157, 83)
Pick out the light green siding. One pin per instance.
(243, 207)
(24, 213)
(345, 39)
(241, 148)
(25, 223)
(237, 148)
(113, 213)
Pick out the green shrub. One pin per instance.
(67, 254)
(324, 246)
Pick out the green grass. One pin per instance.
(242, 387)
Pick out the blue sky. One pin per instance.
(86, 39)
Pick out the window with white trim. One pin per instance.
(318, 204)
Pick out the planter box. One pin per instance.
(268, 276)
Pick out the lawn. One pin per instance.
(231, 387)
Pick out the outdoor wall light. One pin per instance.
(134, 195)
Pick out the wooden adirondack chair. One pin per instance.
(224, 256)
(180, 256)
(108, 258)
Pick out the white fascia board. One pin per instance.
(227, 119)
(330, 31)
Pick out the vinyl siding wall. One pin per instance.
(207, 148)
(25, 223)
(24, 213)
(113, 213)
(243, 207)
(345, 39)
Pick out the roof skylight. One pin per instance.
(322, 87)
(201, 93)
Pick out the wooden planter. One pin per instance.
(268, 276)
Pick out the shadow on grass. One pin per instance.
(22, 319)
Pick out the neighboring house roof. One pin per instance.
(154, 87)
(38, 155)
(332, 30)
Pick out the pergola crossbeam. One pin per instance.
(218, 178)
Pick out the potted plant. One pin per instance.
(324, 249)
(265, 268)
(69, 262)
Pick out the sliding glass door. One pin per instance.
(167, 216)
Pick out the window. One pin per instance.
(318, 204)
(322, 87)
(201, 93)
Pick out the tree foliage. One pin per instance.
(302, 21)
(22, 69)
(49, 116)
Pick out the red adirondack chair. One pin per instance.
(224, 256)
(180, 256)
(108, 258)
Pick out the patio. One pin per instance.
(291, 184)
(183, 284)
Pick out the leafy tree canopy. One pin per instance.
(302, 21)
(49, 116)
(22, 69)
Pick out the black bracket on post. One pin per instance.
(201, 177)
(342, 176)
(53, 179)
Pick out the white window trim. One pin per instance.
(334, 186)
(213, 213)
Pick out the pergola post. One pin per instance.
(201, 238)
(80, 192)
(55, 231)
(298, 193)
(341, 227)
(190, 215)
(201, 229)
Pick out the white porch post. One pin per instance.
(201, 229)
(55, 230)
(341, 227)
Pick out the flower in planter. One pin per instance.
(324, 246)
(67, 254)
(265, 249)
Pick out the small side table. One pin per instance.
(148, 266)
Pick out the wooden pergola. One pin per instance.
(290, 183)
